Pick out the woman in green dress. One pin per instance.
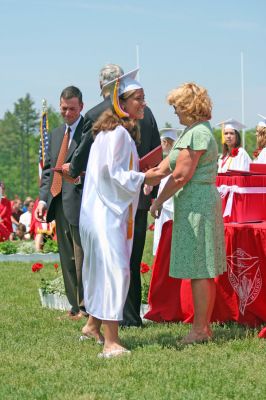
(198, 250)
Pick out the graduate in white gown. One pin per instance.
(109, 203)
(260, 152)
(233, 156)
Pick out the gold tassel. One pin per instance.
(222, 138)
(118, 110)
(130, 211)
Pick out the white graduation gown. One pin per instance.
(261, 159)
(167, 213)
(109, 188)
(240, 162)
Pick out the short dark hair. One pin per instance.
(21, 227)
(70, 92)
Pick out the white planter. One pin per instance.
(60, 302)
(144, 308)
(18, 257)
(54, 300)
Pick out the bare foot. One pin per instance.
(195, 337)
(114, 351)
(92, 333)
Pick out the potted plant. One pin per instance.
(145, 271)
(52, 292)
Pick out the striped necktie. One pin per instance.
(56, 186)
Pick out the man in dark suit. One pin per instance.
(107, 74)
(60, 199)
(150, 139)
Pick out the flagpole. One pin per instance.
(242, 98)
(44, 109)
(137, 55)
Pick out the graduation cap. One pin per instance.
(118, 86)
(262, 122)
(231, 124)
(170, 133)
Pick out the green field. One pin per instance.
(41, 357)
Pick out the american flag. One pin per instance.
(43, 141)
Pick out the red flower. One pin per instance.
(256, 153)
(36, 267)
(234, 152)
(262, 333)
(151, 227)
(56, 266)
(144, 268)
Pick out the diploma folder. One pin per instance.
(152, 159)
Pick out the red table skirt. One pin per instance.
(241, 291)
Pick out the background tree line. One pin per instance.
(19, 146)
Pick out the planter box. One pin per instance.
(54, 300)
(60, 302)
(144, 308)
(34, 257)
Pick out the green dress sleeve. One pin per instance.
(197, 138)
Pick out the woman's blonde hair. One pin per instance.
(192, 100)
(261, 137)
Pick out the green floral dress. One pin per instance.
(198, 249)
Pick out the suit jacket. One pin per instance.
(150, 139)
(71, 194)
(80, 158)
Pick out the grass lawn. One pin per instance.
(41, 357)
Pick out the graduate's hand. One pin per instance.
(155, 209)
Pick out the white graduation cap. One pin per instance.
(232, 124)
(262, 122)
(118, 86)
(127, 82)
(170, 133)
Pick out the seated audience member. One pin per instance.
(260, 152)
(16, 213)
(233, 156)
(168, 138)
(19, 234)
(26, 217)
(5, 215)
(26, 204)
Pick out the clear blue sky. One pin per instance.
(46, 45)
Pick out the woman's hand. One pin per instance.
(155, 209)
